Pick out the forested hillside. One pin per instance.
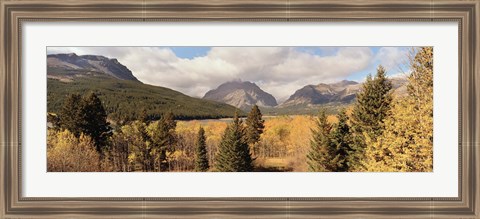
(126, 100)
(123, 96)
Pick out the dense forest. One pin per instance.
(379, 132)
(125, 101)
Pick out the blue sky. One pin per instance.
(277, 70)
(190, 52)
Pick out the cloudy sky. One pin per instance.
(277, 70)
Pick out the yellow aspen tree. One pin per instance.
(67, 153)
(407, 143)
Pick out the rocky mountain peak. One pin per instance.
(241, 94)
(88, 63)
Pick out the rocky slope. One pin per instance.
(241, 94)
(68, 66)
(342, 92)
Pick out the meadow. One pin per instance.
(282, 147)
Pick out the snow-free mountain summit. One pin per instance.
(89, 63)
(241, 94)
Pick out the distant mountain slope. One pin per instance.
(241, 94)
(343, 92)
(73, 64)
(340, 92)
(123, 96)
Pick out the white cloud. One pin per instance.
(277, 70)
(392, 58)
(403, 74)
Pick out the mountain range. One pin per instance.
(342, 92)
(124, 95)
(245, 94)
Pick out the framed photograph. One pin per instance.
(234, 109)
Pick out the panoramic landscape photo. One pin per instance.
(239, 109)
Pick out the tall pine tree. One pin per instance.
(95, 124)
(255, 126)
(369, 112)
(201, 159)
(163, 138)
(321, 151)
(342, 142)
(233, 153)
(71, 116)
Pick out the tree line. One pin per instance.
(382, 133)
(81, 139)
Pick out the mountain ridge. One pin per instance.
(241, 94)
(68, 64)
(342, 92)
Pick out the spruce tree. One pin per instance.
(86, 115)
(71, 116)
(321, 151)
(201, 159)
(342, 142)
(369, 112)
(95, 124)
(233, 153)
(163, 138)
(255, 126)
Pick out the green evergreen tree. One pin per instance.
(201, 159)
(341, 141)
(163, 137)
(370, 109)
(71, 116)
(95, 123)
(86, 115)
(321, 151)
(255, 126)
(233, 153)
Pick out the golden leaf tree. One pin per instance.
(67, 153)
(407, 142)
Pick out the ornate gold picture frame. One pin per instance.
(13, 14)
